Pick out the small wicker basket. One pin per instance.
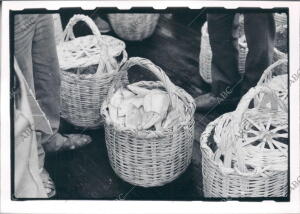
(205, 55)
(133, 26)
(151, 157)
(88, 65)
(245, 152)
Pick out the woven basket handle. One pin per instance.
(249, 96)
(106, 60)
(234, 129)
(268, 72)
(68, 32)
(156, 70)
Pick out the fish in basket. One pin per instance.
(88, 67)
(245, 152)
(149, 128)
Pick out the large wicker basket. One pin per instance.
(88, 65)
(133, 26)
(245, 152)
(205, 55)
(150, 157)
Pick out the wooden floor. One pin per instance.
(87, 174)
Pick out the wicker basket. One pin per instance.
(281, 19)
(276, 78)
(88, 65)
(205, 55)
(145, 157)
(133, 26)
(245, 152)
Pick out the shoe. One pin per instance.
(209, 102)
(67, 142)
(206, 102)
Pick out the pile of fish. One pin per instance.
(139, 108)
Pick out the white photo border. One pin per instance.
(100, 206)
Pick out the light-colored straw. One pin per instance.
(276, 70)
(82, 94)
(245, 152)
(133, 26)
(151, 157)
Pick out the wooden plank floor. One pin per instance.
(86, 172)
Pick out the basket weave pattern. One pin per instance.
(81, 98)
(241, 153)
(146, 157)
(133, 27)
(88, 67)
(277, 70)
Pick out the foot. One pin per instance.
(48, 183)
(67, 142)
(209, 101)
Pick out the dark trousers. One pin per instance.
(223, 35)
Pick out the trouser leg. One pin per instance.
(223, 36)
(24, 31)
(260, 36)
(46, 72)
(23, 36)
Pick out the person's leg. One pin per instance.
(260, 35)
(46, 71)
(27, 179)
(223, 37)
(36, 54)
(24, 32)
(24, 26)
(47, 85)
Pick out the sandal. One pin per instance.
(48, 184)
(67, 142)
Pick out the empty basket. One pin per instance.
(88, 65)
(133, 26)
(151, 157)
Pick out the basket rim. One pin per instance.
(150, 133)
(87, 76)
(62, 46)
(209, 154)
(174, 92)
